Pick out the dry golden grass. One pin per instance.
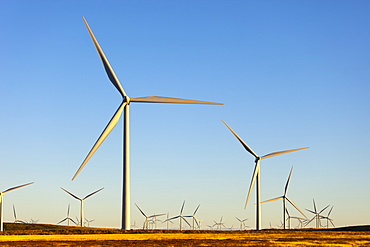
(113, 237)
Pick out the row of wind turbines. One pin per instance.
(124, 108)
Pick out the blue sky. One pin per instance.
(290, 73)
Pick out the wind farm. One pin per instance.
(289, 76)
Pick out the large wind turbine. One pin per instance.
(194, 218)
(285, 198)
(68, 218)
(146, 222)
(124, 107)
(1, 202)
(317, 215)
(82, 216)
(180, 216)
(256, 174)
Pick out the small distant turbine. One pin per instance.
(181, 217)
(68, 218)
(124, 108)
(1, 202)
(242, 223)
(15, 217)
(328, 219)
(88, 222)
(193, 217)
(82, 213)
(317, 215)
(285, 198)
(219, 224)
(147, 218)
(256, 174)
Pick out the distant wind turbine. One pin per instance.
(1, 202)
(88, 222)
(124, 107)
(181, 217)
(193, 217)
(147, 218)
(317, 215)
(68, 218)
(219, 224)
(285, 198)
(15, 217)
(242, 224)
(82, 213)
(256, 174)
(328, 219)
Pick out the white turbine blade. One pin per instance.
(331, 221)
(112, 123)
(314, 205)
(296, 207)
(182, 208)
(196, 210)
(108, 69)
(274, 199)
(330, 210)
(238, 219)
(155, 215)
(287, 182)
(68, 210)
(255, 173)
(16, 187)
(310, 220)
(159, 99)
(173, 218)
(72, 194)
(15, 215)
(92, 193)
(322, 210)
(140, 210)
(73, 221)
(185, 220)
(281, 152)
(311, 211)
(62, 221)
(241, 141)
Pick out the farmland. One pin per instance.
(39, 234)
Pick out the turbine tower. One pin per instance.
(124, 107)
(285, 198)
(1, 202)
(82, 213)
(256, 174)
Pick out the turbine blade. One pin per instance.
(287, 182)
(173, 218)
(159, 99)
(155, 215)
(196, 210)
(296, 207)
(182, 208)
(73, 221)
(140, 210)
(322, 210)
(310, 220)
(112, 123)
(310, 211)
(238, 219)
(108, 69)
(241, 141)
(314, 205)
(68, 210)
(72, 194)
(281, 152)
(330, 210)
(15, 215)
(185, 220)
(274, 199)
(61, 221)
(92, 193)
(254, 176)
(16, 187)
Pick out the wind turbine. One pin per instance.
(317, 215)
(285, 198)
(88, 222)
(219, 224)
(82, 216)
(328, 219)
(242, 224)
(193, 217)
(68, 218)
(181, 217)
(15, 216)
(1, 202)
(146, 222)
(124, 107)
(256, 174)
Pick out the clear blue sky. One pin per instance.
(290, 73)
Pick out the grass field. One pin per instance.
(51, 235)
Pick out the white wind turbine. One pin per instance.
(256, 174)
(68, 218)
(147, 218)
(124, 107)
(193, 217)
(15, 217)
(328, 219)
(219, 224)
(82, 210)
(1, 202)
(180, 216)
(317, 215)
(242, 224)
(285, 198)
(88, 222)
